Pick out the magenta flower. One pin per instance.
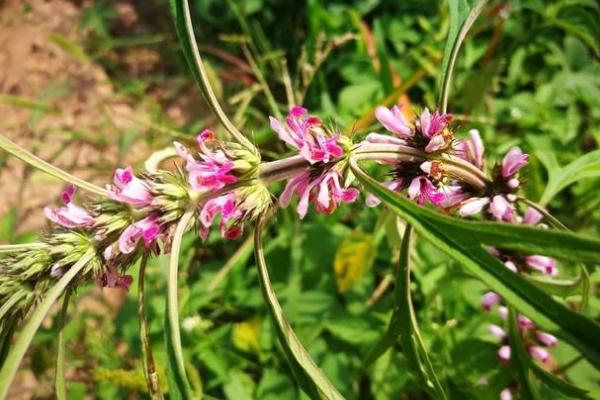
(514, 160)
(214, 169)
(545, 265)
(69, 216)
(147, 229)
(471, 149)
(504, 354)
(497, 331)
(539, 353)
(433, 124)
(473, 206)
(231, 215)
(524, 322)
(112, 279)
(384, 139)
(304, 132)
(532, 216)
(393, 120)
(423, 190)
(547, 338)
(373, 201)
(506, 394)
(128, 189)
(501, 209)
(328, 192)
(489, 300)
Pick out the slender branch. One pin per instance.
(173, 330)
(19, 152)
(242, 253)
(59, 378)
(205, 85)
(149, 367)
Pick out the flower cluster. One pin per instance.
(322, 181)
(429, 133)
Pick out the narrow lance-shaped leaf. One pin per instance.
(17, 151)
(462, 17)
(18, 350)
(404, 322)
(309, 376)
(179, 386)
(185, 30)
(462, 241)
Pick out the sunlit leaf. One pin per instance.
(354, 258)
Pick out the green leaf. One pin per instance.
(558, 384)
(24, 155)
(464, 240)
(586, 166)
(183, 24)
(309, 376)
(404, 322)
(462, 17)
(19, 348)
(179, 385)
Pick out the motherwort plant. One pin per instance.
(437, 181)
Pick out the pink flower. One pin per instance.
(545, 265)
(373, 201)
(511, 266)
(147, 229)
(501, 209)
(504, 354)
(532, 216)
(423, 190)
(496, 331)
(436, 143)
(433, 124)
(471, 149)
(69, 216)
(129, 189)
(304, 132)
(546, 338)
(56, 271)
(506, 394)
(384, 139)
(513, 162)
(112, 279)
(524, 322)
(214, 169)
(473, 206)
(393, 120)
(231, 215)
(539, 353)
(489, 300)
(503, 313)
(328, 192)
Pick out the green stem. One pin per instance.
(17, 151)
(148, 360)
(173, 332)
(59, 378)
(186, 33)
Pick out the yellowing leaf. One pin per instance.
(246, 335)
(354, 257)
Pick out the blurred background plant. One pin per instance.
(93, 85)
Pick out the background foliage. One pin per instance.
(528, 75)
